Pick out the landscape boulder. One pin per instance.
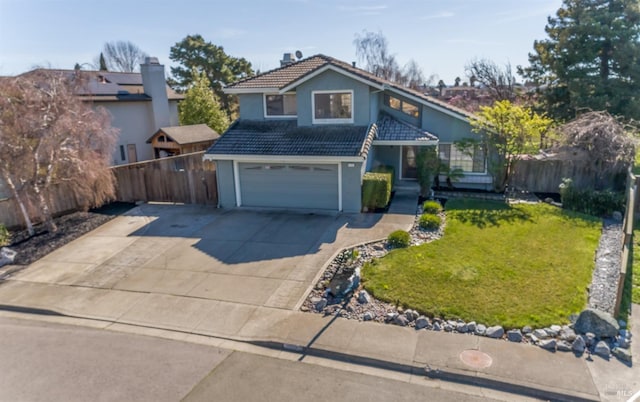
(579, 345)
(601, 324)
(602, 349)
(7, 256)
(422, 322)
(514, 335)
(495, 332)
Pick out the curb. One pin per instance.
(473, 378)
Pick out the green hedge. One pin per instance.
(386, 169)
(431, 207)
(591, 202)
(376, 190)
(429, 221)
(399, 239)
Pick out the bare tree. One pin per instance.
(499, 81)
(412, 75)
(49, 136)
(121, 56)
(372, 48)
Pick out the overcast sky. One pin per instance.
(442, 36)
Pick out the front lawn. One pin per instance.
(525, 264)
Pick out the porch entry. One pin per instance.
(408, 162)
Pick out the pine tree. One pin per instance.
(591, 60)
(103, 63)
(201, 105)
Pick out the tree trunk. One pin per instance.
(44, 209)
(23, 208)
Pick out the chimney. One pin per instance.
(155, 86)
(287, 58)
(353, 63)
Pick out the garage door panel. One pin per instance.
(289, 185)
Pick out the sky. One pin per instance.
(440, 35)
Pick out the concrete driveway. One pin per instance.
(254, 258)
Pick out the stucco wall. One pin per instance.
(446, 127)
(351, 187)
(387, 155)
(330, 80)
(226, 185)
(251, 106)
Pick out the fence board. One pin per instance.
(181, 179)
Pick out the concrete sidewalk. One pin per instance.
(519, 368)
(57, 289)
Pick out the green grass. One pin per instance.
(514, 265)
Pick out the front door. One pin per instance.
(409, 166)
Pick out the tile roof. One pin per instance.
(285, 138)
(108, 85)
(390, 129)
(188, 134)
(284, 76)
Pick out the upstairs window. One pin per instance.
(402, 106)
(330, 107)
(454, 158)
(280, 105)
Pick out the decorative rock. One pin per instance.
(540, 333)
(471, 326)
(436, 326)
(622, 323)
(526, 329)
(480, 329)
(590, 339)
(495, 332)
(534, 339)
(548, 344)
(622, 354)
(563, 346)
(602, 324)
(567, 334)
(602, 349)
(448, 327)
(401, 320)
(368, 316)
(556, 328)
(552, 332)
(452, 323)
(579, 345)
(363, 297)
(623, 341)
(422, 322)
(411, 315)
(625, 333)
(7, 256)
(462, 327)
(390, 316)
(319, 304)
(514, 335)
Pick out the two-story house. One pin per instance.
(309, 130)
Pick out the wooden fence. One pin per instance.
(181, 179)
(544, 174)
(627, 227)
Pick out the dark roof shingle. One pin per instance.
(285, 138)
(390, 129)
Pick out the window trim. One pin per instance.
(315, 120)
(387, 102)
(284, 116)
(466, 173)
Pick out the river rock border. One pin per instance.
(354, 302)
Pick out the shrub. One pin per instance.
(591, 202)
(376, 190)
(429, 221)
(386, 169)
(399, 239)
(4, 235)
(431, 207)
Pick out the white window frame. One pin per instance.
(331, 121)
(284, 116)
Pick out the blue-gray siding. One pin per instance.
(226, 185)
(351, 187)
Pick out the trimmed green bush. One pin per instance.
(4, 235)
(590, 202)
(376, 190)
(399, 239)
(429, 221)
(431, 207)
(386, 169)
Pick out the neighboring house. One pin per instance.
(178, 140)
(139, 103)
(308, 131)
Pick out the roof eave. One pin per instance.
(282, 158)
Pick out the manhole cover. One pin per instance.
(476, 359)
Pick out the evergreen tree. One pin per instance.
(103, 63)
(201, 105)
(219, 68)
(591, 60)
